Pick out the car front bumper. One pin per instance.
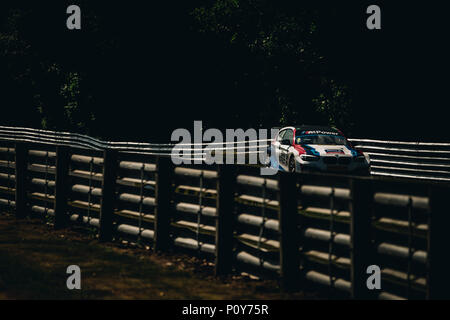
(354, 167)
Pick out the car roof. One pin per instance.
(316, 128)
(312, 128)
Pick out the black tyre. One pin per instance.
(291, 164)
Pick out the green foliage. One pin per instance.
(334, 104)
(264, 64)
(283, 39)
(75, 115)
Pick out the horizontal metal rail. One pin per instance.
(86, 142)
(257, 182)
(195, 209)
(401, 200)
(148, 167)
(257, 221)
(323, 235)
(402, 159)
(255, 234)
(250, 259)
(86, 159)
(402, 252)
(318, 191)
(426, 157)
(192, 244)
(325, 280)
(196, 173)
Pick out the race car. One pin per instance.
(316, 149)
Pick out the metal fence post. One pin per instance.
(163, 212)
(302, 224)
(21, 168)
(107, 203)
(61, 186)
(438, 262)
(361, 251)
(289, 233)
(225, 219)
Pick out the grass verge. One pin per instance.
(34, 259)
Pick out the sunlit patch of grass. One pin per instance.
(34, 259)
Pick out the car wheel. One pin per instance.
(291, 164)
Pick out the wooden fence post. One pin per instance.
(361, 250)
(21, 168)
(226, 180)
(61, 186)
(163, 210)
(107, 203)
(438, 263)
(289, 233)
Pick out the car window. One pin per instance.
(289, 135)
(280, 135)
(320, 139)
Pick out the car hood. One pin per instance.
(329, 150)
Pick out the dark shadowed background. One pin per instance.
(137, 71)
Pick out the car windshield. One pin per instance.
(320, 139)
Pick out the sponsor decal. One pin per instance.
(321, 132)
(336, 151)
(310, 150)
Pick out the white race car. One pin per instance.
(316, 149)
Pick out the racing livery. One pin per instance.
(314, 148)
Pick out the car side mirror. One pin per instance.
(286, 142)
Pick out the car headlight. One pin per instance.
(309, 158)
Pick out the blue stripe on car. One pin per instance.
(310, 150)
(353, 151)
